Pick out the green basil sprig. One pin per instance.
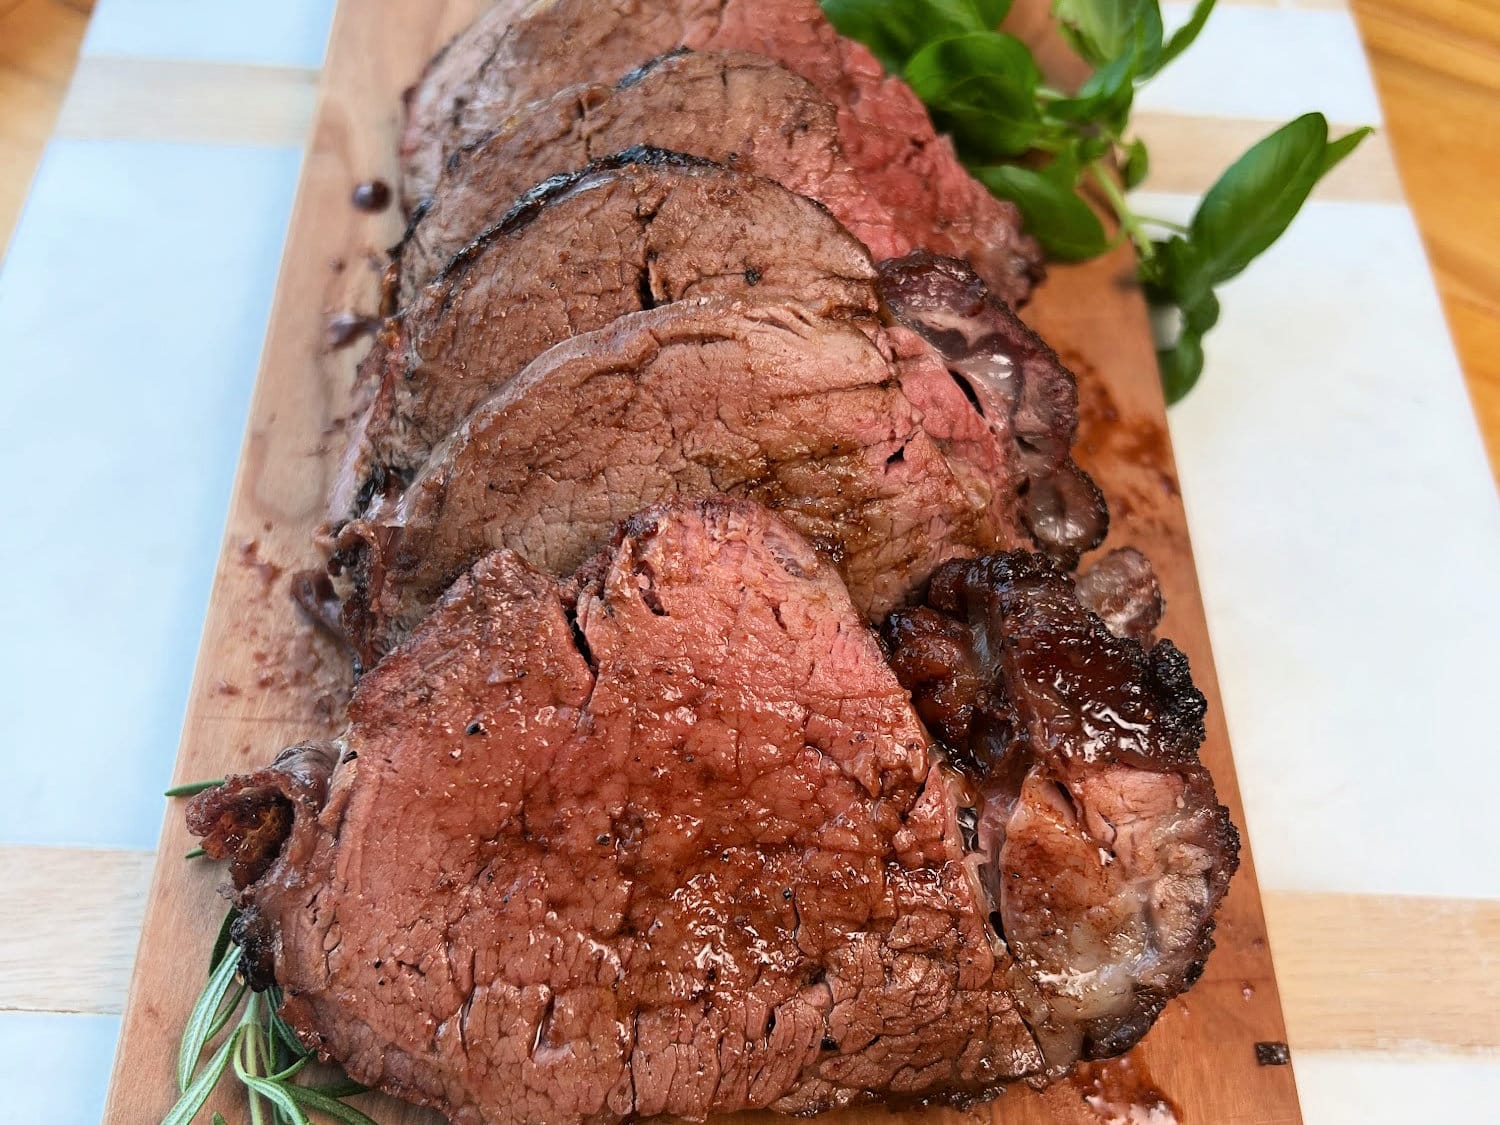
(1061, 156)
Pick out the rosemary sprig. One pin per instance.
(261, 1051)
(193, 788)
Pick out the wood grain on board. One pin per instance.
(265, 680)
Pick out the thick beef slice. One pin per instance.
(884, 130)
(638, 230)
(802, 413)
(663, 839)
(733, 107)
(1105, 846)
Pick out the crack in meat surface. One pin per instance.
(702, 860)
(1104, 844)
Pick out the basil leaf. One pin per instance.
(1180, 366)
(1175, 276)
(1200, 317)
(981, 88)
(1137, 164)
(894, 32)
(1256, 199)
(1183, 37)
(1104, 30)
(1337, 150)
(1061, 221)
(1105, 95)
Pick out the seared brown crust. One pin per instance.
(1108, 851)
(1015, 380)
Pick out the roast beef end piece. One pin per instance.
(248, 819)
(1065, 513)
(1099, 830)
(1122, 589)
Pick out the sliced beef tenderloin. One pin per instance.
(1015, 380)
(641, 229)
(883, 128)
(665, 838)
(808, 415)
(1103, 842)
(736, 108)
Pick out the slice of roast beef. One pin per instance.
(663, 839)
(637, 230)
(733, 107)
(884, 130)
(882, 463)
(1105, 846)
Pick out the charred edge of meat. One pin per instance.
(1065, 513)
(1074, 737)
(1008, 372)
(312, 592)
(249, 818)
(390, 278)
(1122, 590)
(530, 205)
(634, 76)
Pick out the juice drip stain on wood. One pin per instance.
(1121, 1092)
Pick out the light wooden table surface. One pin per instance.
(1344, 961)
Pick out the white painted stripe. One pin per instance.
(133, 303)
(274, 32)
(1346, 528)
(1343, 1089)
(1268, 63)
(54, 1068)
(70, 920)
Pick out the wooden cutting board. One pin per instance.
(265, 679)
